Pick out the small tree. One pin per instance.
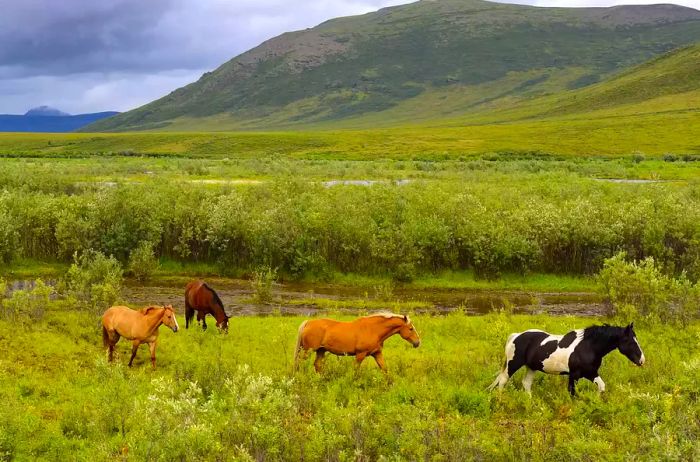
(143, 262)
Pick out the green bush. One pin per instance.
(639, 288)
(263, 279)
(28, 305)
(9, 237)
(142, 262)
(93, 280)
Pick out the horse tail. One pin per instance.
(297, 349)
(105, 337)
(496, 382)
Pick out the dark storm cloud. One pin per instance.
(75, 36)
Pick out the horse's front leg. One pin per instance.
(134, 348)
(202, 319)
(572, 385)
(379, 358)
(152, 347)
(595, 378)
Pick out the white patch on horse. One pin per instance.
(558, 361)
(177, 326)
(601, 385)
(642, 359)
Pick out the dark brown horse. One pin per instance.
(201, 298)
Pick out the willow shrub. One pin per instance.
(509, 223)
(93, 280)
(640, 288)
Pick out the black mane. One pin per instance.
(605, 334)
(216, 297)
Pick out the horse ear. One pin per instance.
(628, 329)
(405, 318)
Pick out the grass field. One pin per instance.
(234, 397)
(651, 134)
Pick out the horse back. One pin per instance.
(317, 333)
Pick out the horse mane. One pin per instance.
(150, 308)
(216, 297)
(387, 315)
(605, 333)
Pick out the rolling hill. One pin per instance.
(48, 120)
(422, 61)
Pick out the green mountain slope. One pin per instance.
(362, 65)
(667, 84)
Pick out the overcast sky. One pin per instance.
(98, 55)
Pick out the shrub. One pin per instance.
(640, 288)
(26, 305)
(263, 278)
(9, 237)
(142, 262)
(94, 280)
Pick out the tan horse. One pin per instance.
(139, 326)
(359, 338)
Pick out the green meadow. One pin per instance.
(235, 397)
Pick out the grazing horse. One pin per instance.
(139, 326)
(201, 298)
(577, 354)
(359, 338)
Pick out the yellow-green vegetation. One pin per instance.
(234, 397)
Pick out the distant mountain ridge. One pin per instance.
(45, 119)
(357, 66)
(46, 111)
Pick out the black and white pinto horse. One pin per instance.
(577, 354)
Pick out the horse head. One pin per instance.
(223, 324)
(629, 346)
(408, 332)
(169, 318)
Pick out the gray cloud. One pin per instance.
(87, 55)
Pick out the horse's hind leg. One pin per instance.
(319, 358)
(527, 380)
(134, 348)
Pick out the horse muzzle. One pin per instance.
(174, 328)
(416, 344)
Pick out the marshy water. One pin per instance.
(310, 299)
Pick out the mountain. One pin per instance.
(49, 120)
(468, 52)
(46, 111)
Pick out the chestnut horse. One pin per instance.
(359, 338)
(201, 298)
(139, 326)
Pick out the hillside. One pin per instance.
(459, 49)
